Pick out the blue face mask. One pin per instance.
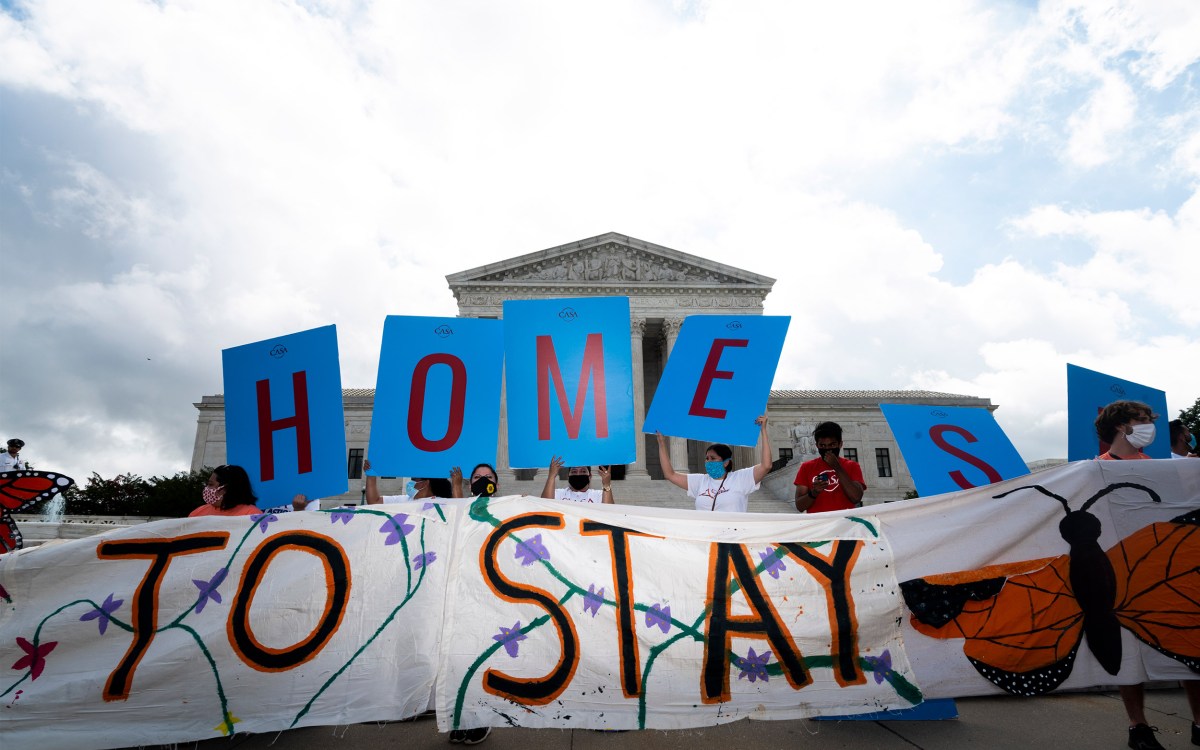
(715, 469)
(410, 488)
(1192, 442)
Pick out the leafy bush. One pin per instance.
(130, 495)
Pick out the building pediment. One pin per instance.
(611, 260)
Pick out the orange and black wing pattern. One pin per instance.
(1022, 623)
(18, 491)
(1158, 587)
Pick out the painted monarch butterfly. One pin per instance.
(1023, 622)
(18, 491)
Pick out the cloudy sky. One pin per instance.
(957, 196)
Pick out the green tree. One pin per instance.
(1191, 417)
(129, 495)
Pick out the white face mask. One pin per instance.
(1142, 435)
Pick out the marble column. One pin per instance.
(679, 446)
(638, 467)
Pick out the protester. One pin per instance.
(417, 488)
(720, 487)
(1128, 426)
(1183, 442)
(11, 460)
(483, 482)
(227, 493)
(829, 482)
(578, 477)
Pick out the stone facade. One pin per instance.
(664, 286)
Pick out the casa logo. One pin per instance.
(733, 325)
(443, 331)
(568, 314)
(938, 413)
(278, 351)
(1117, 389)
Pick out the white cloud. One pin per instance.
(332, 165)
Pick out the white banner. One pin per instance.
(538, 613)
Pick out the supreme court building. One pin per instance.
(663, 286)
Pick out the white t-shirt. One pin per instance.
(8, 463)
(586, 496)
(732, 496)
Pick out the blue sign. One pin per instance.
(569, 381)
(1088, 392)
(283, 415)
(952, 448)
(437, 396)
(718, 378)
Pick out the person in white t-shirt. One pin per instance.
(720, 487)
(579, 477)
(10, 460)
(417, 488)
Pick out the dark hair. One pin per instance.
(725, 452)
(440, 487)
(1177, 429)
(1116, 414)
(828, 430)
(489, 466)
(236, 482)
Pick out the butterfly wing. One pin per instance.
(1158, 586)
(18, 491)
(21, 489)
(1021, 622)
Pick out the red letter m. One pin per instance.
(267, 426)
(592, 370)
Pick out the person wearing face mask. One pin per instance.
(227, 493)
(416, 488)
(1128, 426)
(720, 487)
(829, 482)
(483, 482)
(578, 477)
(1183, 442)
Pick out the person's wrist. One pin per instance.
(810, 493)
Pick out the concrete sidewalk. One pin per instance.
(1084, 720)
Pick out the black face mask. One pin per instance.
(578, 481)
(483, 487)
(834, 451)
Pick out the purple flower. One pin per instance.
(529, 552)
(102, 612)
(881, 666)
(774, 564)
(659, 616)
(341, 515)
(510, 638)
(208, 589)
(593, 599)
(424, 559)
(263, 520)
(753, 666)
(395, 527)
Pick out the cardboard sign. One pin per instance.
(951, 448)
(569, 381)
(718, 378)
(283, 415)
(437, 396)
(1088, 392)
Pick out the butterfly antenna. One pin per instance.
(1040, 489)
(1118, 486)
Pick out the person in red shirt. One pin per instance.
(1128, 426)
(829, 482)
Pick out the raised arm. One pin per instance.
(456, 482)
(606, 493)
(664, 460)
(556, 463)
(372, 485)
(764, 462)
